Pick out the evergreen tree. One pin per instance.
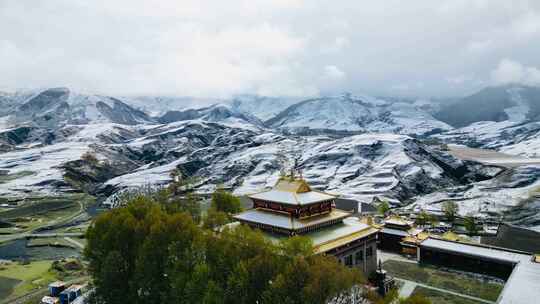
(226, 202)
(470, 224)
(450, 210)
(383, 208)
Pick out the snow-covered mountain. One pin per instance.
(357, 113)
(360, 147)
(514, 103)
(59, 106)
(215, 113)
(505, 118)
(262, 107)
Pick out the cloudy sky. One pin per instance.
(298, 48)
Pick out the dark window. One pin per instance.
(369, 251)
(359, 256)
(348, 260)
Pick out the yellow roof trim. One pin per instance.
(329, 245)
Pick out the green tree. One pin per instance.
(297, 246)
(423, 218)
(226, 202)
(383, 208)
(470, 224)
(450, 209)
(149, 251)
(215, 219)
(143, 240)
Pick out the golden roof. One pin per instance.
(422, 236)
(397, 220)
(335, 243)
(293, 192)
(450, 236)
(294, 185)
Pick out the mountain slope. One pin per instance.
(214, 113)
(360, 114)
(59, 106)
(512, 102)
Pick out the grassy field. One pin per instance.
(38, 212)
(6, 286)
(52, 241)
(441, 297)
(31, 276)
(443, 279)
(38, 207)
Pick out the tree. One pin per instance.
(226, 202)
(297, 246)
(148, 251)
(470, 224)
(383, 208)
(423, 218)
(450, 209)
(215, 219)
(134, 246)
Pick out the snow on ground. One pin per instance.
(42, 162)
(529, 148)
(145, 176)
(490, 196)
(359, 113)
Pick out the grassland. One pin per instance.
(52, 241)
(31, 276)
(441, 297)
(17, 279)
(456, 282)
(38, 207)
(39, 212)
(6, 286)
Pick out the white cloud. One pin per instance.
(480, 46)
(528, 24)
(218, 48)
(509, 71)
(333, 72)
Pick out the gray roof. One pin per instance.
(285, 221)
(524, 282)
(493, 253)
(394, 231)
(292, 198)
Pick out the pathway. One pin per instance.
(407, 289)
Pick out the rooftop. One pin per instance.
(285, 221)
(57, 284)
(335, 236)
(292, 192)
(522, 285)
(397, 220)
(49, 300)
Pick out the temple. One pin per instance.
(291, 208)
